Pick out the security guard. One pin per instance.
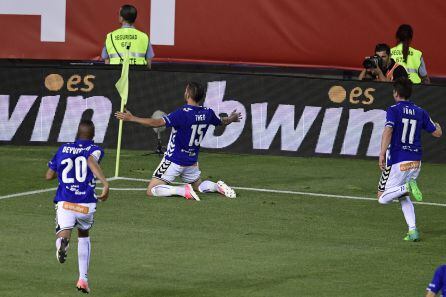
(410, 58)
(140, 51)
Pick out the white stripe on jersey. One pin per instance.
(171, 146)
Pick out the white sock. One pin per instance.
(390, 194)
(408, 211)
(207, 186)
(167, 191)
(58, 240)
(83, 256)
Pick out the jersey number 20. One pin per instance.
(413, 126)
(80, 169)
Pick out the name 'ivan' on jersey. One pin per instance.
(189, 125)
(407, 121)
(76, 180)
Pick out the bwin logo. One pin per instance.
(293, 134)
(75, 107)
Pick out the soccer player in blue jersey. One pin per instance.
(438, 282)
(401, 151)
(76, 165)
(189, 125)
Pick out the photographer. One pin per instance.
(381, 67)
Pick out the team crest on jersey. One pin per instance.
(187, 109)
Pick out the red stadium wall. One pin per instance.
(330, 33)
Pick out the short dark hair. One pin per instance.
(403, 87)
(195, 91)
(128, 13)
(382, 47)
(85, 129)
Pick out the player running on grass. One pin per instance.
(76, 165)
(189, 125)
(400, 157)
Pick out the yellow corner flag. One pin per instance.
(122, 85)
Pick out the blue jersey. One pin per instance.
(407, 121)
(76, 180)
(189, 125)
(438, 281)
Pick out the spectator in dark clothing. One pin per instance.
(386, 69)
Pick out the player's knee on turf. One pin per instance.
(149, 192)
(379, 194)
(150, 187)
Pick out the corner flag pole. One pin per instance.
(122, 85)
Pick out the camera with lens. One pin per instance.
(372, 62)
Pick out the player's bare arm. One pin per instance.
(127, 116)
(50, 174)
(385, 142)
(97, 171)
(438, 132)
(233, 117)
(430, 294)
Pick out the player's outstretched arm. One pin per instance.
(97, 171)
(385, 142)
(430, 294)
(233, 117)
(127, 116)
(50, 174)
(438, 132)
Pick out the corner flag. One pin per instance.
(122, 85)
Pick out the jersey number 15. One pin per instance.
(197, 134)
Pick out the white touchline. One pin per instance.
(39, 191)
(237, 188)
(27, 193)
(286, 192)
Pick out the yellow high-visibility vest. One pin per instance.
(413, 61)
(118, 40)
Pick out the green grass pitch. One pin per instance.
(260, 244)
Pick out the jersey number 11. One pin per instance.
(413, 126)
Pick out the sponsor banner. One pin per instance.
(331, 33)
(281, 115)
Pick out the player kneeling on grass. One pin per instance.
(189, 125)
(76, 165)
(400, 157)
